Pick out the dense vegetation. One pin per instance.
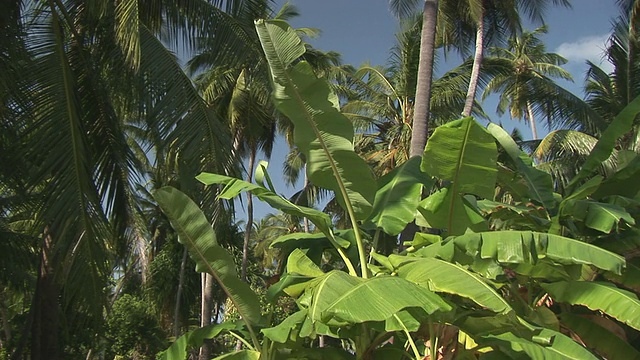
(118, 174)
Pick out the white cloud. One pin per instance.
(587, 48)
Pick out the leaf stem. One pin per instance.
(414, 348)
(242, 340)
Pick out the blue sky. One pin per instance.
(363, 31)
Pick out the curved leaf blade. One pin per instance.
(464, 153)
(604, 147)
(194, 339)
(617, 303)
(442, 276)
(363, 302)
(527, 246)
(539, 182)
(398, 195)
(599, 338)
(195, 232)
(321, 132)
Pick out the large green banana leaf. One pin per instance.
(451, 212)
(281, 333)
(527, 246)
(195, 232)
(599, 338)
(325, 291)
(464, 153)
(322, 133)
(442, 276)
(539, 182)
(299, 263)
(366, 302)
(624, 182)
(596, 215)
(193, 340)
(621, 125)
(399, 193)
(617, 303)
(547, 344)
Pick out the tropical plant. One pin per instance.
(521, 292)
(78, 76)
(527, 82)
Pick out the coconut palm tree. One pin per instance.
(491, 21)
(526, 82)
(384, 101)
(78, 73)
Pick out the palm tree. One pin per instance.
(491, 21)
(79, 72)
(384, 101)
(606, 95)
(526, 80)
(420, 127)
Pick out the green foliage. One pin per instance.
(477, 292)
(133, 329)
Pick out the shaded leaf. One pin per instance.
(195, 232)
(442, 276)
(617, 303)
(398, 195)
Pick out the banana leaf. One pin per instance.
(621, 125)
(325, 291)
(464, 153)
(547, 344)
(240, 355)
(538, 182)
(195, 232)
(617, 303)
(299, 263)
(442, 276)
(363, 302)
(527, 246)
(450, 212)
(193, 340)
(397, 198)
(624, 182)
(234, 187)
(281, 333)
(596, 337)
(322, 133)
(596, 215)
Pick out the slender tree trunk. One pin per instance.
(532, 121)
(176, 312)
(143, 256)
(247, 230)
(205, 319)
(420, 128)
(5, 322)
(305, 220)
(45, 308)
(475, 70)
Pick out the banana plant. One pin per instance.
(460, 288)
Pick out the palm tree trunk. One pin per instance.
(305, 220)
(205, 316)
(176, 312)
(475, 70)
(532, 121)
(247, 230)
(46, 321)
(420, 127)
